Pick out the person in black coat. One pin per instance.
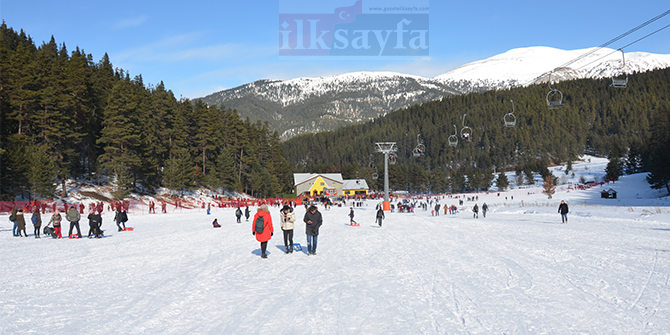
(563, 209)
(380, 216)
(94, 224)
(313, 221)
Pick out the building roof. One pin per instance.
(299, 178)
(355, 184)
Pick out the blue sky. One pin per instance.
(200, 47)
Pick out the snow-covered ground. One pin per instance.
(517, 271)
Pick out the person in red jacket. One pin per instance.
(263, 219)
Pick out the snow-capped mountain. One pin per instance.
(302, 105)
(317, 104)
(526, 66)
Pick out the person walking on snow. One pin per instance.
(238, 214)
(351, 215)
(563, 209)
(287, 219)
(485, 208)
(263, 219)
(380, 216)
(247, 212)
(475, 212)
(313, 221)
(121, 217)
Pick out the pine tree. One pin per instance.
(549, 188)
(502, 182)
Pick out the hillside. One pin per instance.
(596, 119)
(307, 105)
(310, 105)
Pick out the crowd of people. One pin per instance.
(72, 215)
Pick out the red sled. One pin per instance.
(128, 229)
(355, 224)
(73, 237)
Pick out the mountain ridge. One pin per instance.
(314, 104)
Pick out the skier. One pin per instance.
(485, 208)
(563, 209)
(238, 214)
(313, 221)
(264, 231)
(380, 216)
(475, 211)
(287, 218)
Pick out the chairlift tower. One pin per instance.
(386, 148)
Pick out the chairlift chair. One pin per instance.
(375, 176)
(466, 131)
(621, 79)
(509, 118)
(554, 96)
(392, 159)
(453, 139)
(555, 99)
(420, 148)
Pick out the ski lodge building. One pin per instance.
(328, 184)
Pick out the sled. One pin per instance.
(297, 247)
(73, 237)
(128, 229)
(355, 224)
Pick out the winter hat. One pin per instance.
(285, 208)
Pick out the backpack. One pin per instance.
(260, 224)
(34, 219)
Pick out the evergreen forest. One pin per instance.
(628, 125)
(65, 116)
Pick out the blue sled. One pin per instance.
(297, 247)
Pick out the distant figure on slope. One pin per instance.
(55, 220)
(485, 208)
(380, 216)
(238, 214)
(21, 222)
(73, 216)
(121, 217)
(216, 224)
(37, 221)
(262, 228)
(287, 219)
(475, 212)
(247, 212)
(94, 224)
(351, 215)
(437, 209)
(563, 209)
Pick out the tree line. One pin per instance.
(628, 125)
(65, 116)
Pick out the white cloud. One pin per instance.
(129, 23)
